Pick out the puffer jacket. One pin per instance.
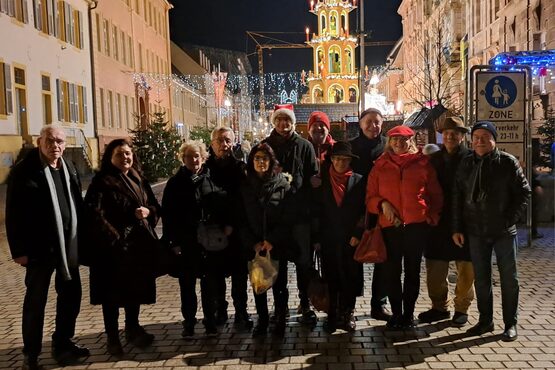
(412, 189)
(490, 195)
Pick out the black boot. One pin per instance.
(113, 344)
(281, 323)
(138, 337)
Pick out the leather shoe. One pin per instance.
(242, 318)
(480, 328)
(68, 352)
(510, 334)
(433, 315)
(459, 319)
(31, 363)
(380, 314)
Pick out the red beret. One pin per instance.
(318, 116)
(400, 131)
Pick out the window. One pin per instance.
(115, 43)
(16, 9)
(123, 43)
(131, 52)
(19, 76)
(126, 111)
(79, 41)
(137, 6)
(98, 33)
(110, 109)
(134, 119)
(71, 100)
(102, 107)
(106, 31)
(40, 12)
(46, 100)
(5, 89)
(117, 111)
(141, 65)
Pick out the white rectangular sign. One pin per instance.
(500, 96)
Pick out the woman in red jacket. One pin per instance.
(404, 191)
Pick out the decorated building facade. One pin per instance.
(334, 78)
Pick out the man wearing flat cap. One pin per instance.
(441, 249)
(490, 194)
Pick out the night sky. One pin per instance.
(222, 24)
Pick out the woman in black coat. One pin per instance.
(189, 197)
(122, 212)
(267, 222)
(340, 219)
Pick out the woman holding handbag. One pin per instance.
(267, 221)
(404, 191)
(195, 218)
(339, 211)
(121, 215)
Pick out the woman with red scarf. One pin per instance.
(340, 215)
(404, 191)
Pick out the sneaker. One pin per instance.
(459, 319)
(480, 328)
(243, 318)
(68, 352)
(380, 313)
(113, 345)
(433, 315)
(138, 337)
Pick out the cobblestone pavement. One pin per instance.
(437, 346)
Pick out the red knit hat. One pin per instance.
(400, 131)
(318, 116)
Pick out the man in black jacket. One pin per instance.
(42, 207)
(441, 249)
(296, 156)
(227, 172)
(368, 146)
(490, 195)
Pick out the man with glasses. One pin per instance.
(490, 194)
(227, 172)
(43, 206)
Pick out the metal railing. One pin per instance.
(76, 137)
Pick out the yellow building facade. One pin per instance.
(334, 78)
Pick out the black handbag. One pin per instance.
(318, 291)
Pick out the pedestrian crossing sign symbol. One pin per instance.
(500, 92)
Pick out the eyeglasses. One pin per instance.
(261, 158)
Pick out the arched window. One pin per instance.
(333, 23)
(335, 59)
(335, 94)
(317, 95)
(353, 95)
(322, 23)
(349, 60)
(320, 61)
(344, 26)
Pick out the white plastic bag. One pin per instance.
(263, 272)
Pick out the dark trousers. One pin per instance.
(379, 287)
(111, 317)
(342, 299)
(405, 245)
(239, 278)
(481, 250)
(281, 295)
(68, 303)
(189, 304)
(303, 263)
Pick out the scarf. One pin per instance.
(322, 149)
(402, 159)
(69, 256)
(338, 183)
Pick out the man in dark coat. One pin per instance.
(490, 195)
(296, 157)
(227, 172)
(441, 249)
(43, 205)
(368, 146)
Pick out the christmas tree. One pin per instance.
(201, 133)
(547, 131)
(157, 148)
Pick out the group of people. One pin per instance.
(292, 197)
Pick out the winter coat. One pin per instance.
(505, 193)
(441, 246)
(30, 220)
(267, 215)
(368, 151)
(187, 199)
(296, 156)
(122, 250)
(413, 190)
(336, 226)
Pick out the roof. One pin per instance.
(425, 117)
(231, 61)
(335, 112)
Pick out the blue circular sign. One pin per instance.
(500, 92)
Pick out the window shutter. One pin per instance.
(81, 39)
(25, 12)
(85, 105)
(60, 99)
(37, 14)
(8, 84)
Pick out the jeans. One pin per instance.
(505, 251)
(68, 304)
(405, 245)
(438, 287)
